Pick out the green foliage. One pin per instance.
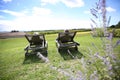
(116, 32)
(100, 33)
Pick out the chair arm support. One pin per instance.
(26, 48)
(77, 43)
(59, 43)
(46, 44)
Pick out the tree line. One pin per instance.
(116, 26)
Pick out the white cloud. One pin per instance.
(41, 11)
(73, 3)
(110, 9)
(36, 11)
(68, 3)
(44, 2)
(43, 23)
(40, 19)
(17, 14)
(7, 1)
(87, 12)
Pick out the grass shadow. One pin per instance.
(33, 58)
(71, 54)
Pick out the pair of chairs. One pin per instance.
(39, 43)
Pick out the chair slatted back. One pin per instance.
(35, 39)
(63, 37)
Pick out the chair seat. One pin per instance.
(68, 44)
(35, 48)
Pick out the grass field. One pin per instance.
(14, 65)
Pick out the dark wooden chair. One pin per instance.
(36, 43)
(66, 40)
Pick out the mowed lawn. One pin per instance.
(14, 65)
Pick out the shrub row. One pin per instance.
(116, 32)
(57, 31)
(100, 33)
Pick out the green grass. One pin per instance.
(14, 65)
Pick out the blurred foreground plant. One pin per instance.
(109, 59)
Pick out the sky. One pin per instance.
(27, 15)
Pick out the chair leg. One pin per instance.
(59, 49)
(26, 53)
(46, 53)
(76, 48)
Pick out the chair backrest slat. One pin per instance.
(66, 37)
(35, 39)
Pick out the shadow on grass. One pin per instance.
(33, 58)
(68, 54)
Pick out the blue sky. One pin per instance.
(27, 15)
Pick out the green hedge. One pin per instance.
(99, 32)
(57, 31)
(116, 32)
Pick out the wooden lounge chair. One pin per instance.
(36, 43)
(66, 40)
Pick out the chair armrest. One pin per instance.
(76, 43)
(59, 43)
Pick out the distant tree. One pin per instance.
(14, 31)
(118, 25)
(112, 26)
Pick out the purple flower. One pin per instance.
(93, 12)
(110, 36)
(118, 42)
(110, 67)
